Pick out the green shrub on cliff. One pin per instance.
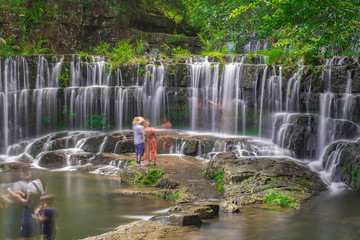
(123, 52)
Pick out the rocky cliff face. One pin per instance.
(70, 26)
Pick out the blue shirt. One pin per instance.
(138, 137)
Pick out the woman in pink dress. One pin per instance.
(150, 153)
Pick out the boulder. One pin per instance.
(167, 183)
(203, 212)
(248, 180)
(185, 219)
(229, 207)
(55, 159)
(93, 144)
(80, 158)
(213, 205)
(124, 146)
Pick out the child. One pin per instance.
(46, 214)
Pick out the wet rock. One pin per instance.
(300, 135)
(250, 75)
(62, 143)
(88, 168)
(191, 147)
(345, 129)
(213, 205)
(12, 165)
(106, 159)
(161, 219)
(347, 155)
(229, 207)
(247, 181)
(131, 172)
(167, 183)
(205, 210)
(177, 75)
(185, 219)
(25, 158)
(124, 146)
(80, 158)
(202, 211)
(55, 159)
(93, 144)
(40, 145)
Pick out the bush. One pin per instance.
(277, 199)
(218, 176)
(150, 178)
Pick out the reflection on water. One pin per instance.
(325, 217)
(86, 204)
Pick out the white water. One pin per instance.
(252, 95)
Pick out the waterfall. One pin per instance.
(153, 93)
(293, 110)
(293, 91)
(348, 99)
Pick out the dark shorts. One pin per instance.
(139, 149)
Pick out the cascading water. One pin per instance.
(236, 98)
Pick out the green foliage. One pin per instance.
(213, 46)
(301, 29)
(101, 49)
(174, 196)
(10, 48)
(218, 176)
(46, 119)
(277, 199)
(178, 38)
(64, 78)
(68, 114)
(132, 163)
(251, 131)
(97, 122)
(61, 126)
(176, 52)
(123, 52)
(274, 56)
(153, 174)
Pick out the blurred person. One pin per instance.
(46, 215)
(138, 138)
(13, 208)
(35, 189)
(150, 153)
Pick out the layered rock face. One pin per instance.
(70, 26)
